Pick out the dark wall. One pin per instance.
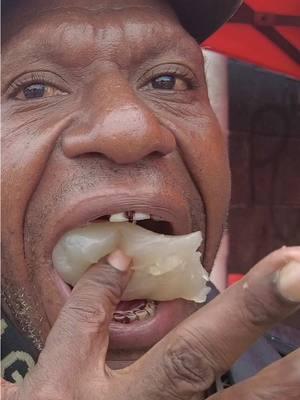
(265, 160)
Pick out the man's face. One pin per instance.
(105, 109)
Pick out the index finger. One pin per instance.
(203, 347)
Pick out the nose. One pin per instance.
(118, 125)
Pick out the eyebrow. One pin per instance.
(85, 41)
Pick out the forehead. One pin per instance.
(19, 13)
(86, 27)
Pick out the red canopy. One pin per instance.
(263, 32)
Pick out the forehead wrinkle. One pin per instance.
(87, 35)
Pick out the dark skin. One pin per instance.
(99, 65)
(151, 159)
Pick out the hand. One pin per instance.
(185, 363)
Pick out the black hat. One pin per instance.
(200, 18)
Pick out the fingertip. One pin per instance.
(119, 260)
(288, 281)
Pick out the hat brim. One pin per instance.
(201, 18)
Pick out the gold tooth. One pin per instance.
(141, 314)
(136, 314)
(150, 309)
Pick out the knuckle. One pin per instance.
(104, 283)
(262, 304)
(188, 371)
(93, 299)
(111, 288)
(258, 311)
(87, 313)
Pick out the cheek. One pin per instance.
(24, 156)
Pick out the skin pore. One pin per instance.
(106, 130)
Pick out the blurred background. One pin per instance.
(254, 88)
(264, 144)
(259, 112)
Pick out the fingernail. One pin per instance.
(119, 260)
(289, 281)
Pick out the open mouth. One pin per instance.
(128, 312)
(137, 310)
(140, 321)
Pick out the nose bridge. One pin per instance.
(120, 127)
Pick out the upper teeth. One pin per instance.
(124, 217)
(120, 217)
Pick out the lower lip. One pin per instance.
(139, 335)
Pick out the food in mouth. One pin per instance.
(166, 267)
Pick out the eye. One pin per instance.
(169, 82)
(38, 90)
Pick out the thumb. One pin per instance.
(85, 318)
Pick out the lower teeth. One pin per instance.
(136, 314)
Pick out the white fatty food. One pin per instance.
(165, 267)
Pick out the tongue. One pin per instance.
(130, 305)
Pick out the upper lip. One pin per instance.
(79, 214)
